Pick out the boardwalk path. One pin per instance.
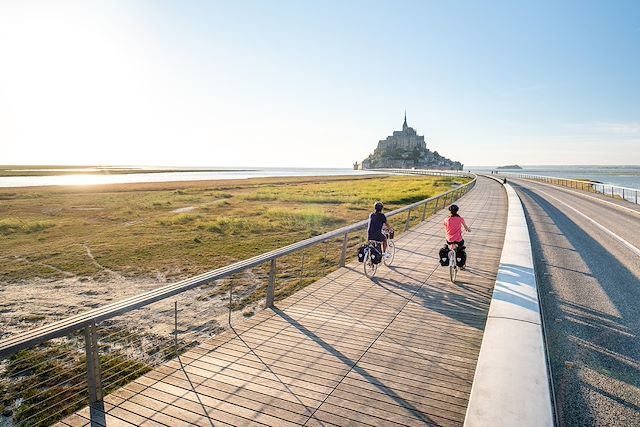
(400, 349)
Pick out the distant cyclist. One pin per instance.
(377, 220)
(453, 227)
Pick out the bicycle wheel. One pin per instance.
(369, 267)
(453, 272)
(391, 251)
(453, 268)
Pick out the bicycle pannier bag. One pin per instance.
(461, 257)
(376, 255)
(443, 256)
(361, 253)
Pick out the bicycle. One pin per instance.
(371, 267)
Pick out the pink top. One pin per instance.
(453, 228)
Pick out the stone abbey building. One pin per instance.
(405, 149)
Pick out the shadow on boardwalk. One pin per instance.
(352, 364)
(459, 301)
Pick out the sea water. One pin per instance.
(625, 176)
(182, 175)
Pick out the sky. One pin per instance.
(317, 84)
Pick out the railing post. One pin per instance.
(272, 282)
(175, 325)
(324, 258)
(93, 365)
(230, 299)
(343, 256)
(406, 224)
(424, 211)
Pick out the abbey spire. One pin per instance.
(404, 125)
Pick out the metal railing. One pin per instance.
(96, 344)
(430, 172)
(609, 190)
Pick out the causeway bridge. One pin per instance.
(541, 329)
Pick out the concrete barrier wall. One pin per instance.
(511, 384)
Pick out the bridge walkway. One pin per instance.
(400, 349)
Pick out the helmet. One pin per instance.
(378, 206)
(453, 208)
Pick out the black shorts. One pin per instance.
(460, 243)
(378, 237)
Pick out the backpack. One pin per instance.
(443, 256)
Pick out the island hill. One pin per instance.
(405, 149)
(509, 167)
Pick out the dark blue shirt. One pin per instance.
(376, 221)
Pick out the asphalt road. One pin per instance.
(589, 281)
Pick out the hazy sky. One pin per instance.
(317, 83)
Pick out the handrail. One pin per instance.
(433, 172)
(621, 191)
(62, 327)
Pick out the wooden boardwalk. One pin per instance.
(398, 350)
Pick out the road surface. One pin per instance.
(587, 260)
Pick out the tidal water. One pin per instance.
(625, 176)
(183, 175)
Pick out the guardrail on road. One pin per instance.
(615, 191)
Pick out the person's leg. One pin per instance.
(384, 245)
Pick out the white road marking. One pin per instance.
(594, 222)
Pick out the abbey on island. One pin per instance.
(405, 149)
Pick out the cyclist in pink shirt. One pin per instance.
(453, 228)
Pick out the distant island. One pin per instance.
(509, 167)
(406, 149)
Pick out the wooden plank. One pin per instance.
(268, 390)
(276, 407)
(191, 402)
(426, 404)
(290, 360)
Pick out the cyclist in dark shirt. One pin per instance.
(377, 220)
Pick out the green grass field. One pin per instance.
(182, 229)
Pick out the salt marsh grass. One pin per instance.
(182, 229)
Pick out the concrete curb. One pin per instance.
(511, 383)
